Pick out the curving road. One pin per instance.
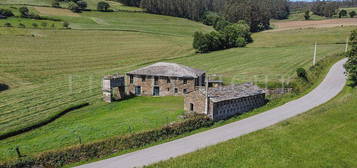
(329, 88)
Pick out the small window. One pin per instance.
(131, 79)
(168, 89)
(191, 107)
(176, 90)
(143, 78)
(156, 80)
(185, 91)
(138, 90)
(168, 80)
(185, 81)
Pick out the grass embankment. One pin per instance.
(322, 137)
(100, 121)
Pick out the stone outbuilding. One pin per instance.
(226, 101)
(164, 79)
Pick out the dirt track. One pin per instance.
(288, 25)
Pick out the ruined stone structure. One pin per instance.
(113, 88)
(226, 101)
(164, 79)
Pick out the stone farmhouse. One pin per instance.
(164, 79)
(226, 101)
(170, 79)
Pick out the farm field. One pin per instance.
(322, 137)
(97, 122)
(51, 70)
(92, 4)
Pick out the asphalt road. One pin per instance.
(329, 88)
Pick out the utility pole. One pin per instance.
(315, 52)
(206, 101)
(347, 41)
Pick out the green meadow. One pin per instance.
(322, 137)
(99, 121)
(51, 70)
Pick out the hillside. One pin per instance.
(322, 137)
(49, 70)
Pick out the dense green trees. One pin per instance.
(232, 35)
(24, 12)
(256, 13)
(130, 2)
(6, 13)
(307, 15)
(342, 13)
(325, 8)
(352, 14)
(351, 64)
(103, 6)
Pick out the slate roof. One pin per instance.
(232, 92)
(168, 70)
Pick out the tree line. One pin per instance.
(256, 13)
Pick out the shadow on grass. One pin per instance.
(4, 87)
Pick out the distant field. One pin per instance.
(288, 25)
(322, 137)
(99, 121)
(92, 4)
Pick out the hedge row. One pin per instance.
(72, 154)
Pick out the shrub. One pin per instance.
(82, 4)
(221, 24)
(233, 35)
(66, 25)
(6, 12)
(307, 15)
(103, 6)
(24, 12)
(235, 31)
(21, 25)
(351, 64)
(7, 25)
(74, 7)
(210, 18)
(98, 149)
(56, 4)
(44, 24)
(34, 25)
(352, 14)
(301, 73)
(342, 13)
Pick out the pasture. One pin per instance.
(92, 4)
(322, 137)
(50, 70)
(97, 122)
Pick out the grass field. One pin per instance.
(96, 122)
(92, 4)
(50, 70)
(322, 137)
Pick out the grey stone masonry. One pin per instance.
(225, 101)
(113, 88)
(164, 79)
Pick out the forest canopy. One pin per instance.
(256, 13)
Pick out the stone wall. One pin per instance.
(197, 99)
(225, 109)
(167, 85)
